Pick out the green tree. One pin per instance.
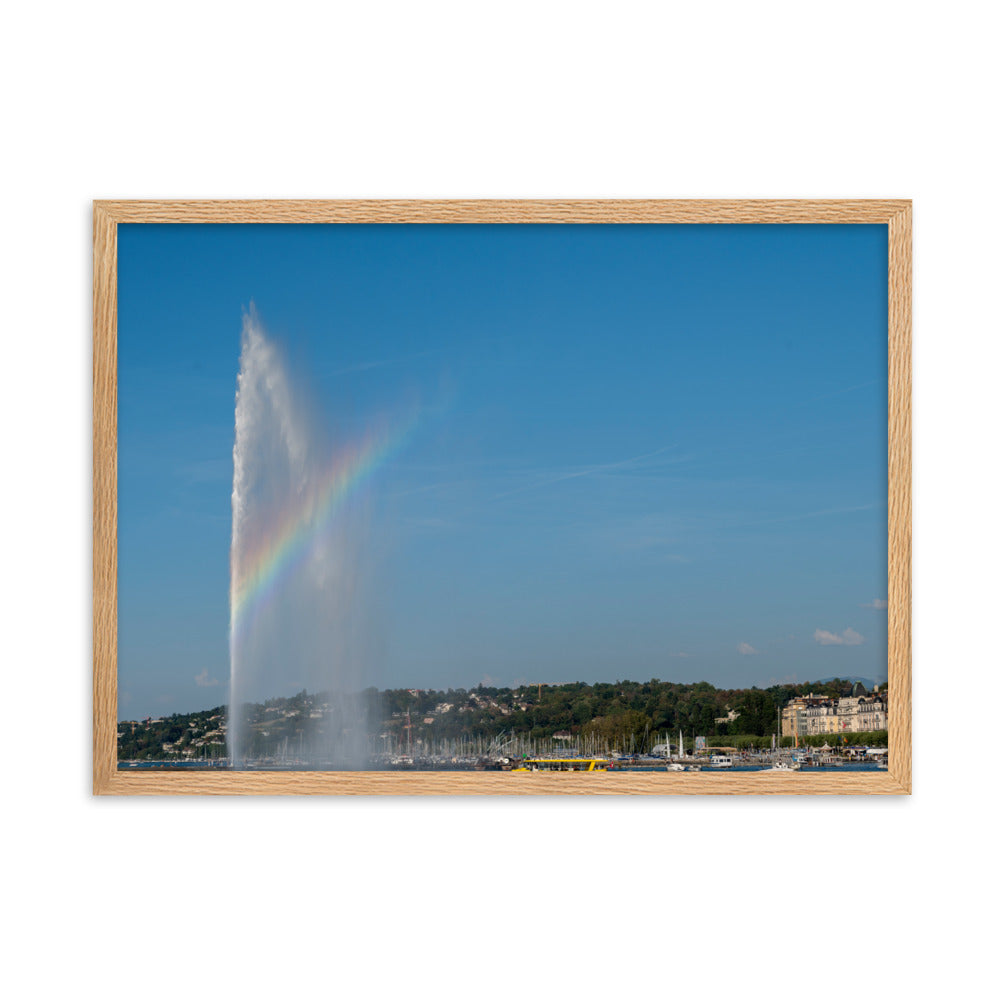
(758, 714)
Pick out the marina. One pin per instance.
(851, 759)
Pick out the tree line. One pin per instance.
(622, 713)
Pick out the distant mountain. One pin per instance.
(867, 681)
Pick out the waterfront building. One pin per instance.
(814, 715)
(793, 718)
(862, 712)
(810, 715)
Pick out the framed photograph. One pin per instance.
(502, 497)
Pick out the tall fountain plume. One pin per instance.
(293, 599)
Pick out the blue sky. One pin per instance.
(641, 451)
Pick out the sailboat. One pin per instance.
(687, 767)
(779, 765)
(676, 765)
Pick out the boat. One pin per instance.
(676, 765)
(563, 764)
(781, 766)
(720, 760)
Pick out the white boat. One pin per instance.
(780, 766)
(720, 760)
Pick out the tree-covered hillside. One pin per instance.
(626, 714)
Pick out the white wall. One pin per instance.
(170, 898)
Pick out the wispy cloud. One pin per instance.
(204, 681)
(747, 650)
(846, 638)
(878, 604)
(680, 656)
(364, 366)
(850, 388)
(432, 523)
(591, 470)
(651, 543)
(453, 484)
(808, 514)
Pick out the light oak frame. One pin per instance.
(107, 780)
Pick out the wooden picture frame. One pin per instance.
(896, 215)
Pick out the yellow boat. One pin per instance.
(563, 764)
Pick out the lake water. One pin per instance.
(187, 765)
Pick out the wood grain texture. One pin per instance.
(900, 595)
(105, 498)
(496, 783)
(895, 214)
(472, 211)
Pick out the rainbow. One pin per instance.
(274, 558)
